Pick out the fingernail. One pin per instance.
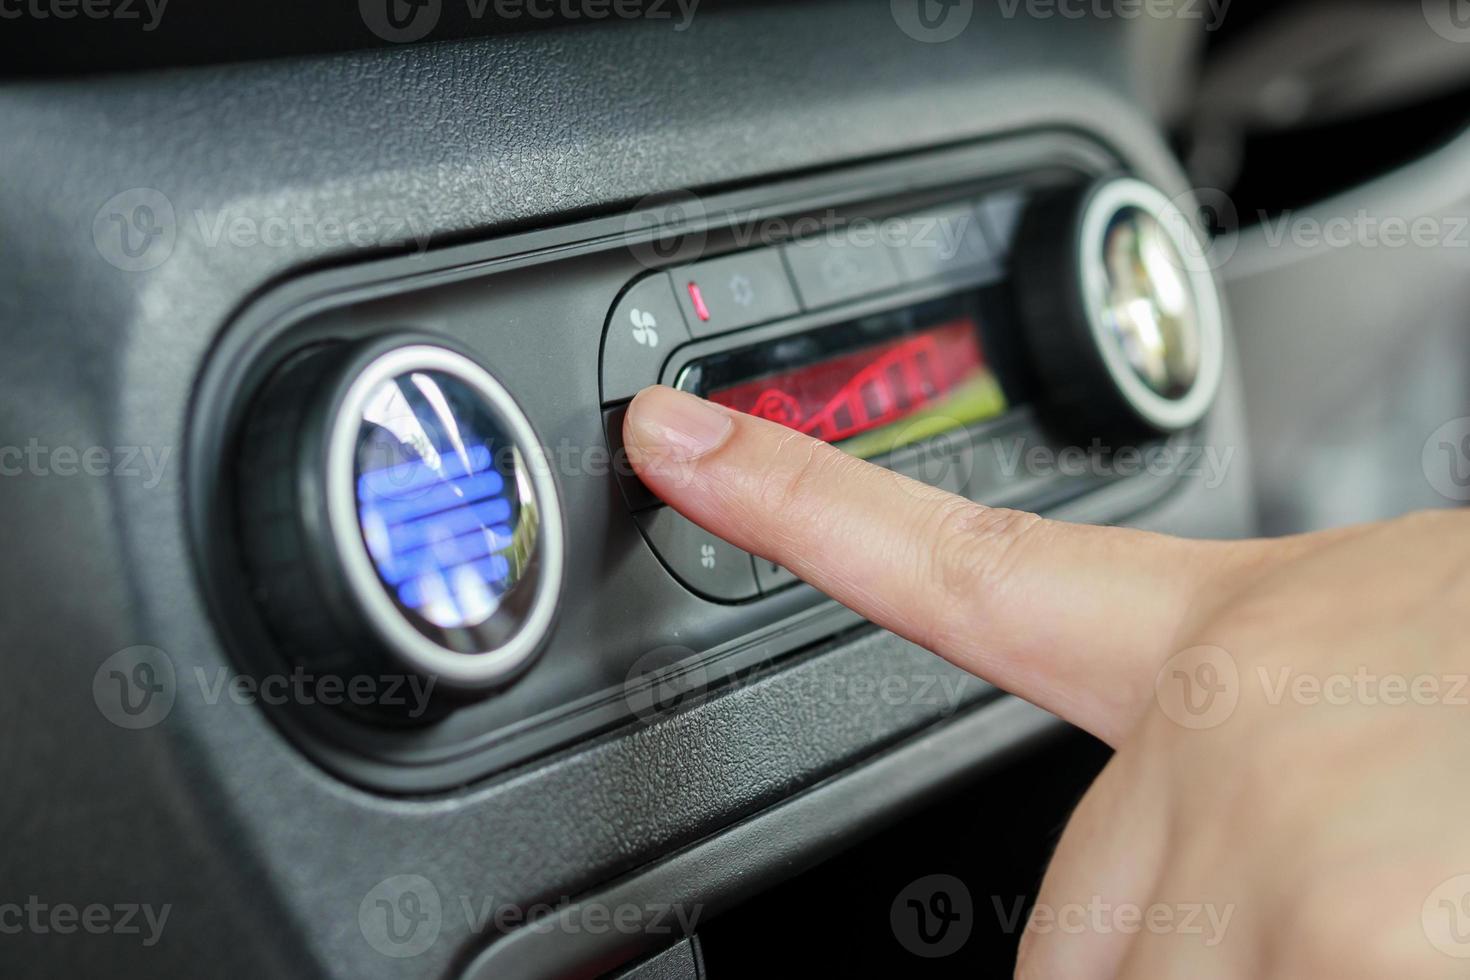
(676, 425)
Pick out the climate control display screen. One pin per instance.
(872, 386)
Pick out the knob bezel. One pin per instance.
(1106, 201)
(464, 670)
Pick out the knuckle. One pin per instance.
(797, 486)
(975, 547)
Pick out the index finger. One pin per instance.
(1075, 619)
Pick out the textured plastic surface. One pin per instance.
(679, 962)
(712, 877)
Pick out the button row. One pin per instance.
(667, 309)
(829, 271)
(736, 291)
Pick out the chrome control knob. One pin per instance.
(1123, 315)
(397, 514)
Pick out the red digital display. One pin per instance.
(856, 392)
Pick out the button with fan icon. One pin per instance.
(644, 327)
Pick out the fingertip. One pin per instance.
(673, 425)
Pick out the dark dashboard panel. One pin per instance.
(264, 858)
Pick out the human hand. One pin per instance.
(1288, 749)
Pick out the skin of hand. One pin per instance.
(1288, 796)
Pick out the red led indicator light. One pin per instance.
(698, 298)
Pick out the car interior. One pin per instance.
(345, 641)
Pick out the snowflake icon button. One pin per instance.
(705, 564)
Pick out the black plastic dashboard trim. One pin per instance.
(769, 847)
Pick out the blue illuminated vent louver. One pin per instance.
(437, 534)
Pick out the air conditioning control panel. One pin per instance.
(925, 341)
